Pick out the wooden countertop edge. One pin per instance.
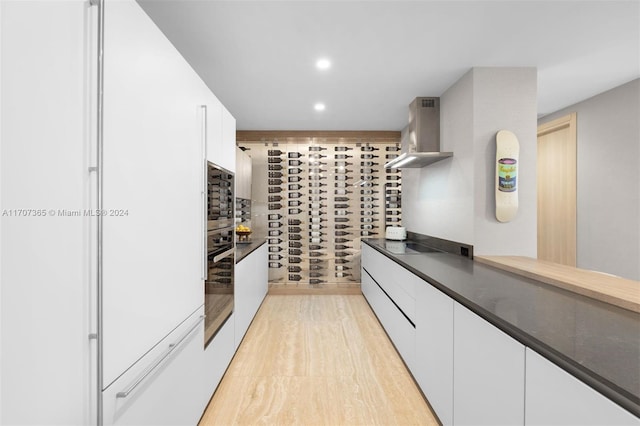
(617, 291)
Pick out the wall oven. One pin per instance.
(219, 283)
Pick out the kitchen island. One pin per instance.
(594, 342)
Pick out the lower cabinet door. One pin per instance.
(217, 356)
(401, 332)
(165, 386)
(554, 396)
(251, 286)
(488, 365)
(434, 349)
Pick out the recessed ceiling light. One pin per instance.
(319, 106)
(323, 64)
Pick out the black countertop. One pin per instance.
(245, 249)
(596, 342)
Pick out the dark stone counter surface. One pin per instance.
(596, 342)
(245, 249)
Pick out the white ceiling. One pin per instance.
(259, 57)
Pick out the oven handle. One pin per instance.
(221, 256)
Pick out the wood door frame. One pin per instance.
(567, 121)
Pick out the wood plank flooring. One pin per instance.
(317, 360)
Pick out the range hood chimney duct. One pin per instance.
(421, 146)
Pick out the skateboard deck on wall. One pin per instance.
(507, 152)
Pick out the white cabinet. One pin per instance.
(44, 142)
(553, 396)
(152, 253)
(228, 148)
(400, 330)
(217, 356)
(434, 349)
(221, 134)
(251, 286)
(243, 174)
(488, 365)
(165, 387)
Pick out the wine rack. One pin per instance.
(321, 199)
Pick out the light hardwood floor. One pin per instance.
(317, 360)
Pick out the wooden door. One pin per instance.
(557, 191)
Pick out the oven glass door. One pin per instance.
(219, 285)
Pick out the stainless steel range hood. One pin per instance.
(420, 144)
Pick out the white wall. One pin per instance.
(454, 199)
(608, 198)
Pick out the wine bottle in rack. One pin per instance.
(294, 171)
(369, 177)
(342, 268)
(295, 155)
(275, 240)
(295, 252)
(295, 277)
(275, 265)
(276, 181)
(341, 206)
(317, 191)
(276, 257)
(295, 237)
(317, 177)
(366, 171)
(342, 274)
(317, 148)
(342, 148)
(316, 164)
(340, 184)
(274, 216)
(316, 267)
(295, 211)
(341, 199)
(393, 177)
(316, 281)
(393, 192)
(294, 178)
(368, 164)
(393, 219)
(316, 254)
(342, 233)
(316, 184)
(316, 240)
(275, 167)
(316, 261)
(367, 233)
(276, 174)
(341, 219)
(315, 226)
(294, 186)
(342, 226)
(275, 232)
(295, 194)
(368, 156)
(294, 203)
(368, 226)
(345, 171)
(392, 184)
(295, 260)
(274, 153)
(343, 163)
(341, 247)
(295, 229)
(294, 163)
(294, 222)
(391, 156)
(316, 156)
(315, 247)
(295, 244)
(342, 212)
(274, 189)
(368, 206)
(393, 205)
(342, 156)
(275, 249)
(317, 206)
(342, 192)
(276, 160)
(339, 261)
(316, 234)
(276, 206)
(342, 177)
(368, 148)
(392, 148)
(368, 219)
(294, 269)
(342, 240)
(341, 254)
(318, 220)
(316, 274)
(368, 199)
(275, 198)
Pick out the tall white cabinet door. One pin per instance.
(251, 287)
(45, 140)
(228, 149)
(488, 367)
(434, 349)
(152, 187)
(553, 396)
(214, 131)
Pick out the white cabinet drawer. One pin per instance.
(401, 332)
(396, 281)
(553, 396)
(165, 386)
